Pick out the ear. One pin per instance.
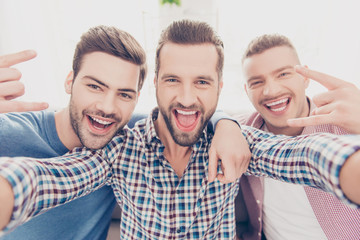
(246, 90)
(155, 79)
(69, 82)
(306, 80)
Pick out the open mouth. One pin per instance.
(278, 105)
(186, 120)
(99, 124)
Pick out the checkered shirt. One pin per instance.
(155, 202)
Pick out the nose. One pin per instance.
(187, 96)
(107, 103)
(271, 88)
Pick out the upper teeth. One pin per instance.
(277, 102)
(101, 121)
(186, 112)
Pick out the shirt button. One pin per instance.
(178, 230)
(258, 201)
(259, 233)
(259, 219)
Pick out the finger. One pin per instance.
(15, 106)
(213, 163)
(324, 110)
(8, 74)
(309, 121)
(11, 89)
(15, 58)
(323, 98)
(229, 173)
(326, 80)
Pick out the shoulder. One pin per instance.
(249, 118)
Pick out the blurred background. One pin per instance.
(325, 33)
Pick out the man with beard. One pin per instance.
(159, 170)
(109, 69)
(100, 104)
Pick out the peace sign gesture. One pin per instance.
(339, 106)
(11, 87)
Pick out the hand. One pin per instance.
(338, 106)
(11, 87)
(230, 146)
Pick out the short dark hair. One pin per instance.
(265, 42)
(191, 32)
(113, 41)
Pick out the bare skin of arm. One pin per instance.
(6, 202)
(350, 177)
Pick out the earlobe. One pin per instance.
(69, 82)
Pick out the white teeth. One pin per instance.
(277, 102)
(101, 121)
(186, 112)
(278, 109)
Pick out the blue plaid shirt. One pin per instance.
(155, 202)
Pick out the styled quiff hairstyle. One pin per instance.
(191, 32)
(113, 41)
(265, 42)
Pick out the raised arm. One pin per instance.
(31, 186)
(315, 160)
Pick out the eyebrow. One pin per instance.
(204, 77)
(273, 72)
(105, 85)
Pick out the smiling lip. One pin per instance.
(99, 125)
(278, 106)
(186, 120)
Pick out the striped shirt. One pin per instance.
(155, 202)
(337, 220)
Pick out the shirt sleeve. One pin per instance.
(40, 184)
(314, 160)
(216, 117)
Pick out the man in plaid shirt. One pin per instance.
(159, 170)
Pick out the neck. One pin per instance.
(178, 156)
(64, 129)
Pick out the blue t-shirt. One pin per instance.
(33, 134)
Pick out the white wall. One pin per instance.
(325, 33)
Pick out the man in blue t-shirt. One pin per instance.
(100, 104)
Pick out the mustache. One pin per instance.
(193, 107)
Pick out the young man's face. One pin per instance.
(187, 89)
(274, 88)
(103, 97)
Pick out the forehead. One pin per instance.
(110, 69)
(270, 60)
(188, 59)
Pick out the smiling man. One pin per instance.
(275, 209)
(159, 170)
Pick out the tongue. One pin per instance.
(98, 125)
(186, 120)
